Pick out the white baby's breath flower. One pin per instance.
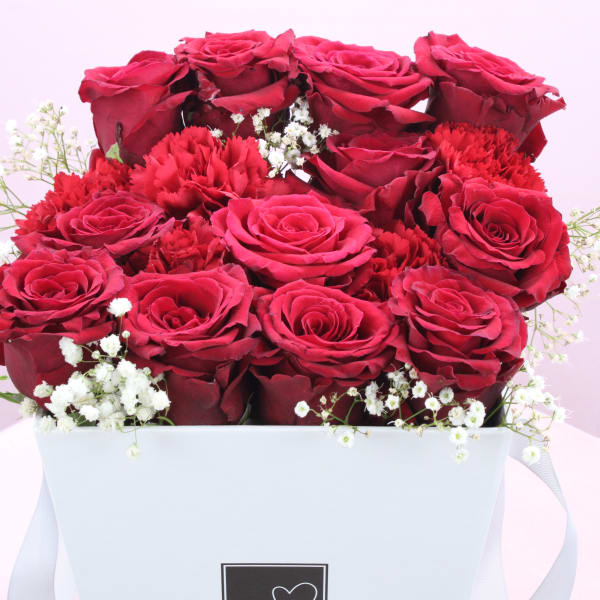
(119, 306)
(458, 436)
(237, 118)
(419, 389)
(28, 408)
(392, 402)
(398, 423)
(374, 407)
(8, 252)
(72, 353)
(106, 408)
(257, 122)
(216, 133)
(111, 345)
(560, 415)
(43, 390)
(446, 395)
(46, 424)
(477, 408)
(276, 158)
(302, 409)
(144, 413)
(352, 392)
(412, 372)
(324, 131)
(263, 113)
(126, 368)
(323, 400)
(40, 155)
(432, 404)
(160, 400)
(531, 454)
(133, 451)
(125, 334)
(473, 420)
(65, 424)
(371, 390)
(461, 455)
(90, 413)
(457, 416)
(309, 139)
(346, 437)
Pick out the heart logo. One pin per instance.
(302, 591)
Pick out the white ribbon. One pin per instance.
(34, 572)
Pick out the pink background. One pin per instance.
(45, 46)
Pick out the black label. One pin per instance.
(274, 582)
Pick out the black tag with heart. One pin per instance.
(274, 582)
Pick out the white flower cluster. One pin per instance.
(283, 149)
(8, 252)
(112, 394)
(462, 420)
(44, 148)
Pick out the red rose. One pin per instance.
(323, 341)
(121, 222)
(286, 238)
(398, 250)
(356, 89)
(475, 86)
(190, 246)
(47, 294)
(470, 151)
(379, 175)
(198, 328)
(458, 334)
(192, 171)
(70, 191)
(240, 73)
(143, 96)
(512, 240)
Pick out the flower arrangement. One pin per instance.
(272, 229)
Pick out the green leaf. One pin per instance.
(113, 152)
(12, 397)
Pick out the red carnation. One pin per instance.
(193, 171)
(71, 190)
(191, 246)
(470, 151)
(398, 250)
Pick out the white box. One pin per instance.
(392, 518)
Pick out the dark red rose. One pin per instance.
(512, 240)
(459, 334)
(47, 294)
(70, 191)
(379, 175)
(398, 250)
(470, 151)
(121, 222)
(190, 246)
(323, 341)
(240, 73)
(197, 328)
(356, 89)
(192, 171)
(476, 86)
(286, 238)
(145, 96)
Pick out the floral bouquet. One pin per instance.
(294, 231)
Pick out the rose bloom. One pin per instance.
(152, 82)
(198, 329)
(459, 334)
(190, 246)
(322, 341)
(192, 171)
(240, 73)
(512, 240)
(356, 89)
(476, 86)
(398, 250)
(286, 238)
(470, 151)
(73, 190)
(380, 175)
(121, 222)
(47, 294)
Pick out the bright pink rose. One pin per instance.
(198, 328)
(121, 222)
(192, 172)
(323, 341)
(47, 294)
(512, 240)
(458, 334)
(357, 89)
(380, 175)
(475, 86)
(286, 238)
(240, 73)
(145, 97)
